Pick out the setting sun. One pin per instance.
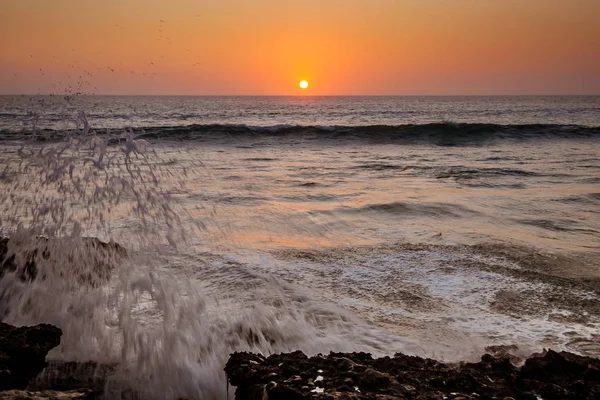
(303, 84)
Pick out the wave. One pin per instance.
(463, 175)
(443, 134)
(558, 225)
(259, 159)
(589, 198)
(433, 210)
(472, 173)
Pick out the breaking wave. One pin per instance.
(444, 133)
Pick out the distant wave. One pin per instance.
(443, 134)
(564, 225)
(471, 173)
(432, 210)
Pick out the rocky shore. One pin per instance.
(294, 376)
(549, 375)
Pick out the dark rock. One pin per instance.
(372, 379)
(60, 257)
(241, 366)
(23, 352)
(281, 392)
(357, 376)
(561, 375)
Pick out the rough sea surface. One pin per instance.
(424, 225)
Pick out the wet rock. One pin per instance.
(40, 258)
(23, 352)
(62, 375)
(561, 375)
(550, 375)
(505, 351)
(79, 394)
(372, 379)
(242, 366)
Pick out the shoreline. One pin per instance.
(499, 374)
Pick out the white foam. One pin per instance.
(462, 297)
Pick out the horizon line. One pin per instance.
(299, 95)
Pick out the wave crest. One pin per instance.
(444, 133)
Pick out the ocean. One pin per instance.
(434, 226)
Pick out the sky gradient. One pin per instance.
(265, 47)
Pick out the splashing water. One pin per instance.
(54, 196)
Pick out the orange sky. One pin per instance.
(246, 47)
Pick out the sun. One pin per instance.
(303, 84)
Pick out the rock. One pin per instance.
(357, 376)
(23, 352)
(372, 379)
(79, 394)
(241, 365)
(505, 351)
(552, 373)
(63, 375)
(60, 257)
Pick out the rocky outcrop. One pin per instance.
(295, 376)
(87, 260)
(23, 353)
(23, 366)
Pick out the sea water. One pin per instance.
(433, 226)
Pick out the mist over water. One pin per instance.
(329, 232)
